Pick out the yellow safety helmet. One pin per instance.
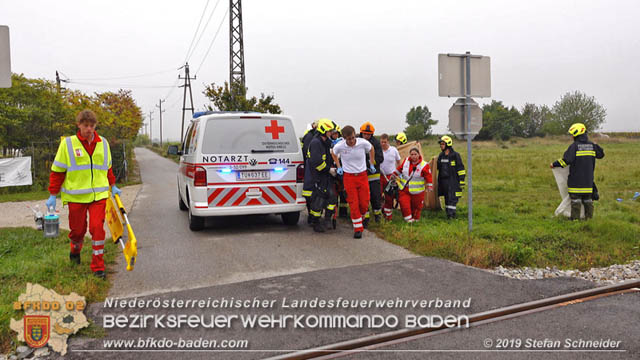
(367, 128)
(325, 125)
(446, 140)
(577, 129)
(401, 138)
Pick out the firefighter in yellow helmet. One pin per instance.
(318, 177)
(451, 175)
(581, 156)
(401, 139)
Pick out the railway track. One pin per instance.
(372, 342)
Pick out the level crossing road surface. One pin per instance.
(613, 317)
(229, 249)
(258, 258)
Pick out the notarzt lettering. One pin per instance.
(225, 158)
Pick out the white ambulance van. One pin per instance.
(239, 163)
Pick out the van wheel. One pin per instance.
(181, 203)
(291, 218)
(196, 223)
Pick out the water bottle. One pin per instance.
(38, 217)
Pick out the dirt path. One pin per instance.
(18, 214)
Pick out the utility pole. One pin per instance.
(161, 111)
(187, 84)
(151, 127)
(236, 46)
(58, 81)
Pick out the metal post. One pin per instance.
(468, 110)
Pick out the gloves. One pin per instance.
(116, 191)
(372, 168)
(51, 202)
(340, 171)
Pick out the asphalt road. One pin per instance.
(229, 249)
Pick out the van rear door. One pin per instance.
(250, 160)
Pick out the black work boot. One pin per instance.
(575, 209)
(588, 209)
(377, 218)
(319, 227)
(100, 274)
(365, 222)
(357, 235)
(75, 258)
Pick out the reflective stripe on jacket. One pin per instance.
(86, 176)
(415, 181)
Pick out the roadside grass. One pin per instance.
(26, 256)
(514, 199)
(162, 150)
(25, 196)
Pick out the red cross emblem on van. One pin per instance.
(274, 129)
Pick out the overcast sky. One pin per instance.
(351, 61)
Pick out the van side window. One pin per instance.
(193, 135)
(185, 144)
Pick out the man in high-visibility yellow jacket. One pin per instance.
(82, 173)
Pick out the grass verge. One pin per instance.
(162, 151)
(26, 256)
(514, 199)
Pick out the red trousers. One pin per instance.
(357, 188)
(78, 226)
(411, 205)
(387, 207)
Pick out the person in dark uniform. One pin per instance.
(319, 163)
(581, 157)
(375, 189)
(451, 174)
(308, 183)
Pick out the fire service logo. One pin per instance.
(36, 330)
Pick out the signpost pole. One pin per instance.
(468, 113)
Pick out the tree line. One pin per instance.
(500, 122)
(35, 111)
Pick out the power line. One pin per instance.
(196, 32)
(173, 87)
(203, 30)
(124, 77)
(212, 41)
(120, 85)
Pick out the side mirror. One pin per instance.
(173, 150)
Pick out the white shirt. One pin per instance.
(391, 155)
(353, 158)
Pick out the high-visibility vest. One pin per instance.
(86, 179)
(416, 182)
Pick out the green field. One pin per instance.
(514, 198)
(26, 256)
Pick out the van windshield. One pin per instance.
(246, 136)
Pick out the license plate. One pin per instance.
(253, 175)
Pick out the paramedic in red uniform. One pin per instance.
(412, 176)
(391, 161)
(82, 173)
(350, 156)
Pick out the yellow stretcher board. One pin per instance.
(113, 221)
